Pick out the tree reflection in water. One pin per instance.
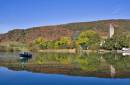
(91, 64)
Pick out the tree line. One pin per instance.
(86, 40)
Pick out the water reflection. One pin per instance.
(24, 60)
(110, 65)
(113, 71)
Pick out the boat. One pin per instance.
(125, 51)
(25, 55)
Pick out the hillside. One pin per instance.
(58, 31)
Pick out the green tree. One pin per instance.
(118, 41)
(64, 42)
(88, 38)
(40, 42)
(121, 40)
(109, 44)
(50, 44)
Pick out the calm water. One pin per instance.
(65, 69)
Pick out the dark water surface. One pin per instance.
(65, 69)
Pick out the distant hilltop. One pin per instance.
(71, 30)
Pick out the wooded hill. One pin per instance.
(70, 30)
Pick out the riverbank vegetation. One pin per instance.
(86, 40)
(117, 42)
(12, 46)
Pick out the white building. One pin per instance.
(111, 31)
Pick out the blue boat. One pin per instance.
(25, 55)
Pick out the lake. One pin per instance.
(64, 69)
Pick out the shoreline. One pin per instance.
(71, 51)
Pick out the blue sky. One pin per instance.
(21, 14)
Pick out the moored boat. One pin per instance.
(25, 55)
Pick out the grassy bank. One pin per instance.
(74, 51)
(12, 46)
(59, 50)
